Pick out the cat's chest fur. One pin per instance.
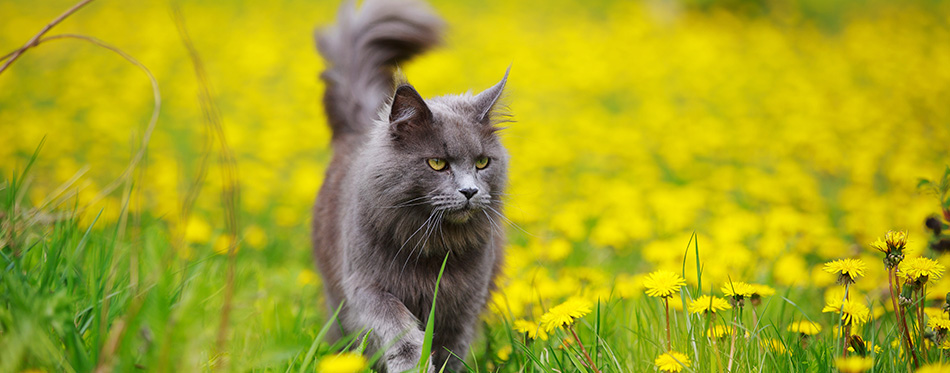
(409, 268)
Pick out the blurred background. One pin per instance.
(783, 133)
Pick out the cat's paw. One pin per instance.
(405, 357)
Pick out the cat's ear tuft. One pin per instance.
(408, 110)
(487, 101)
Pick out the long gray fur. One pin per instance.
(384, 219)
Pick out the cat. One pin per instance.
(411, 181)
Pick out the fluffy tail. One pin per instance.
(362, 49)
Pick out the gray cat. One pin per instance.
(411, 181)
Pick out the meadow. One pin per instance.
(738, 182)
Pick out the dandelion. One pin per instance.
(307, 277)
(738, 290)
(672, 361)
(663, 284)
(896, 240)
(940, 327)
(852, 312)
(346, 362)
(938, 324)
(719, 331)
(854, 364)
(893, 248)
(530, 329)
(777, 346)
(708, 304)
(565, 313)
(758, 292)
(847, 269)
(921, 269)
(504, 353)
(934, 368)
(804, 327)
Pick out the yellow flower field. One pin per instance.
(647, 135)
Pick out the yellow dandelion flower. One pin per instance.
(852, 312)
(708, 304)
(879, 245)
(564, 314)
(719, 331)
(854, 364)
(938, 324)
(533, 330)
(307, 277)
(672, 361)
(346, 362)
(846, 269)
(737, 289)
(921, 269)
(775, 345)
(504, 353)
(663, 283)
(896, 240)
(804, 327)
(934, 368)
(759, 291)
(762, 290)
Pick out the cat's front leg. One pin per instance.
(452, 339)
(391, 324)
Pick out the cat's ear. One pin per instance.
(409, 110)
(486, 101)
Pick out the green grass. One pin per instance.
(79, 296)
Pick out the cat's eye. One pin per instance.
(437, 164)
(481, 163)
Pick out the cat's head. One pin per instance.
(444, 155)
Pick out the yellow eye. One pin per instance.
(437, 164)
(481, 163)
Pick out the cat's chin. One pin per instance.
(460, 216)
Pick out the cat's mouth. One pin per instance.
(462, 214)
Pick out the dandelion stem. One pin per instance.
(899, 315)
(590, 361)
(846, 331)
(732, 345)
(920, 320)
(669, 340)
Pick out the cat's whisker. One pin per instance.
(491, 243)
(410, 238)
(509, 221)
(424, 239)
(411, 202)
(492, 222)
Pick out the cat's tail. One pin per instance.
(362, 49)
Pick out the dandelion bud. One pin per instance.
(907, 294)
(896, 240)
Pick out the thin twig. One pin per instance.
(149, 129)
(36, 38)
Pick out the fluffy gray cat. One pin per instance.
(411, 181)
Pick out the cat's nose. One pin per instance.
(468, 192)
